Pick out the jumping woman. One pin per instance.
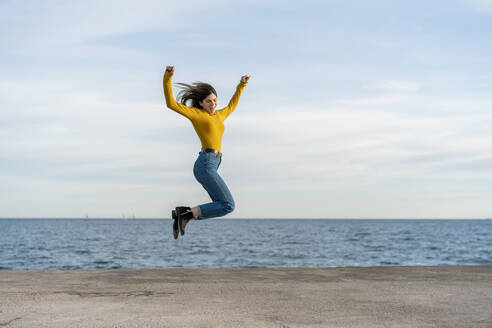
(208, 122)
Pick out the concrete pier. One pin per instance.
(443, 296)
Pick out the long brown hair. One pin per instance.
(195, 92)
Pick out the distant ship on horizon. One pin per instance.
(130, 217)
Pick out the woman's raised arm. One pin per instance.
(235, 98)
(168, 94)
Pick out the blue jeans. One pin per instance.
(205, 171)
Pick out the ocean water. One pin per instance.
(218, 243)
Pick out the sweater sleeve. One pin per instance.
(171, 103)
(234, 100)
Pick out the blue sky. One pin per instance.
(355, 109)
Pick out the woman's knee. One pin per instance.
(228, 206)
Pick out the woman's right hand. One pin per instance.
(170, 69)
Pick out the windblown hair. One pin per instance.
(195, 92)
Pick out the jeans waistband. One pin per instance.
(210, 150)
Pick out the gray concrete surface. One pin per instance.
(444, 296)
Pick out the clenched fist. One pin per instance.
(170, 69)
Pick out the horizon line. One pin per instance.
(278, 218)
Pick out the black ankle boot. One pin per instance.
(184, 215)
(175, 217)
(181, 209)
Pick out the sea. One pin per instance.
(68, 244)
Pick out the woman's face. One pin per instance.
(210, 103)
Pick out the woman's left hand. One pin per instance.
(245, 78)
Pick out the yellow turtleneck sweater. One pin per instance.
(209, 127)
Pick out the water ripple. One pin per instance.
(118, 244)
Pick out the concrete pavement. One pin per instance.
(443, 296)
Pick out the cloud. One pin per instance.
(481, 5)
(55, 22)
(345, 142)
(398, 86)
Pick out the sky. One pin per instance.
(354, 109)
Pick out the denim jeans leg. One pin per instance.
(205, 171)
